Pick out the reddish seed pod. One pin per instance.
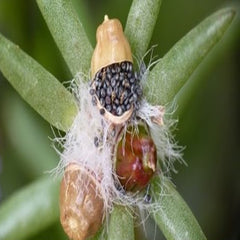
(136, 160)
(81, 207)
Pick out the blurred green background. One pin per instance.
(208, 109)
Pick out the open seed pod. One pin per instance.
(81, 207)
(136, 158)
(115, 86)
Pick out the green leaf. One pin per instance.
(174, 69)
(28, 139)
(140, 24)
(121, 225)
(37, 86)
(30, 210)
(174, 217)
(68, 33)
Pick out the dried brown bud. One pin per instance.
(81, 207)
(136, 160)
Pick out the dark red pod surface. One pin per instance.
(136, 160)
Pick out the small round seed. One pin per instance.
(128, 107)
(108, 108)
(116, 101)
(123, 65)
(102, 111)
(108, 100)
(103, 93)
(119, 111)
(147, 198)
(116, 76)
(92, 91)
(102, 101)
(132, 80)
(109, 91)
(96, 141)
(113, 81)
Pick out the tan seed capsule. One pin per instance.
(81, 208)
(111, 53)
(112, 45)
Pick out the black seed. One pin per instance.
(120, 91)
(94, 101)
(116, 76)
(96, 141)
(118, 69)
(108, 108)
(114, 107)
(107, 82)
(137, 105)
(108, 69)
(113, 69)
(108, 100)
(113, 81)
(129, 75)
(109, 91)
(109, 76)
(116, 101)
(135, 97)
(133, 87)
(147, 198)
(128, 107)
(123, 65)
(136, 75)
(132, 80)
(103, 93)
(98, 74)
(119, 111)
(116, 90)
(130, 67)
(131, 99)
(104, 85)
(102, 111)
(126, 101)
(102, 101)
(123, 108)
(121, 78)
(92, 91)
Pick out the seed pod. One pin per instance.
(111, 66)
(112, 46)
(81, 207)
(136, 159)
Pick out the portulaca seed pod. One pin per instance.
(81, 205)
(136, 159)
(115, 86)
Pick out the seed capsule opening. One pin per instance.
(115, 87)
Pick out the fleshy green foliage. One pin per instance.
(121, 225)
(30, 210)
(68, 33)
(174, 216)
(175, 68)
(142, 14)
(37, 86)
(37, 204)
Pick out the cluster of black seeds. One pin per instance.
(117, 88)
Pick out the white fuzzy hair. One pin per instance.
(78, 145)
